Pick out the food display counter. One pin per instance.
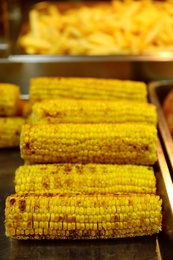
(18, 67)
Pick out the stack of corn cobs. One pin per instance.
(13, 113)
(89, 152)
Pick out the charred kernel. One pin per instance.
(22, 205)
(27, 145)
(12, 201)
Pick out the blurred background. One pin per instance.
(23, 66)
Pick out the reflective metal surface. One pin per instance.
(150, 248)
(22, 68)
(157, 93)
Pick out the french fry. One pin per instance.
(103, 28)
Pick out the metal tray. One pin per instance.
(157, 92)
(150, 248)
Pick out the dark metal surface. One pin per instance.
(150, 248)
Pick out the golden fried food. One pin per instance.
(103, 28)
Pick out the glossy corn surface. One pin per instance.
(85, 179)
(78, 216)
(10, 129)
(86, 88)
(92, 111)
(9, 99)
(89, 143)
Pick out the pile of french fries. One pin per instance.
(104, 28)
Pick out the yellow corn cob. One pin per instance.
(10, 129)
(89, 143)
(9, 99)
(85, 179)
(86, 88)
(92, 111)
(77, 216)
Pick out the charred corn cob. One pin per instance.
(61, 216)
(10, 129)
(10, 96)
(92, 111)
(89, 143)
(86, 88)
(85, 179)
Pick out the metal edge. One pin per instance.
(87, 58)
(24, 96)
(164, 164)
(165, 134)
(165, 191)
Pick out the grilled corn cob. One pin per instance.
(76, 216)
(10, 129)
(86, 88)
(85, 179)
(89, 143)
(92, 111)
(10, 96)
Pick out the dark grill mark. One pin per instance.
(22, 205)
(12, 201)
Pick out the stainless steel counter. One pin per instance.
(19, 69)
(150, 248)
